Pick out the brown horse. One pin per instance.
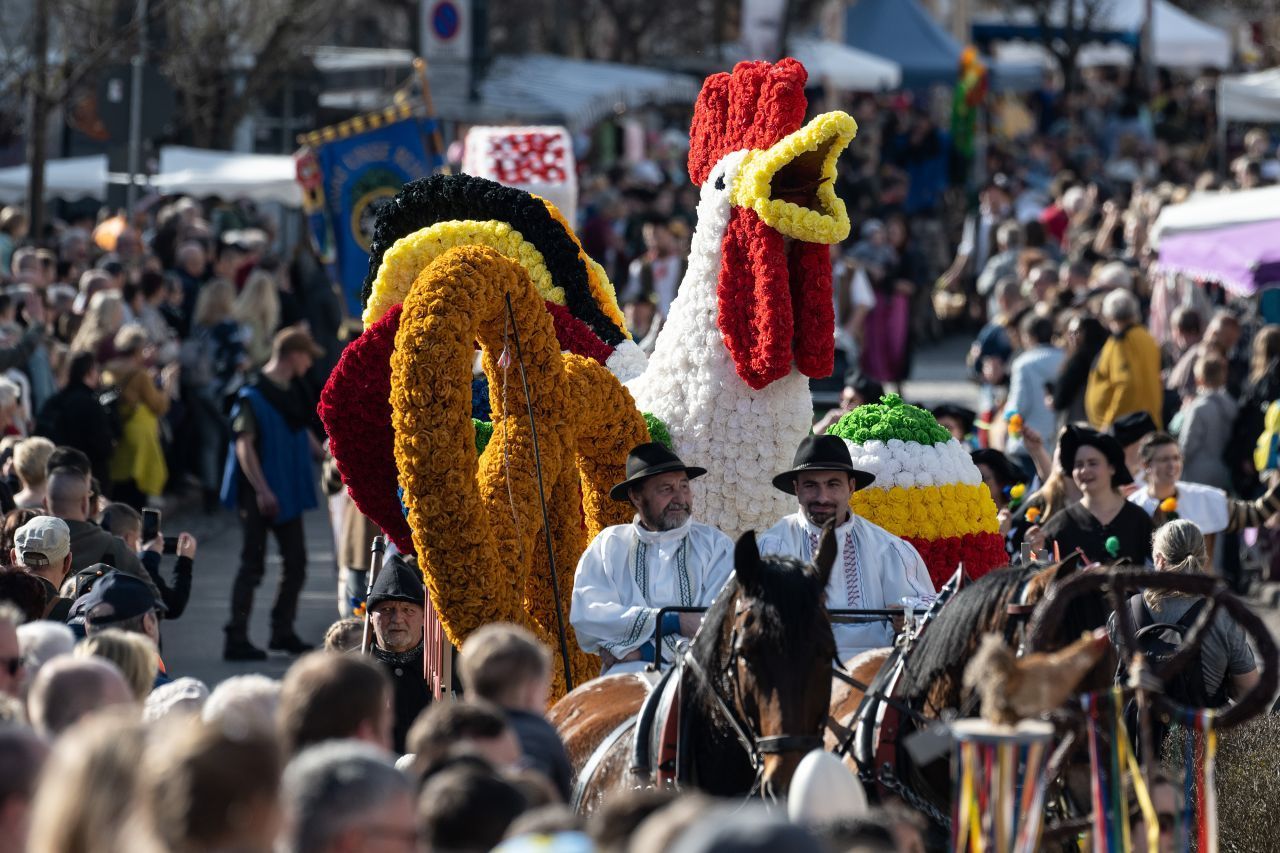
(755, 688)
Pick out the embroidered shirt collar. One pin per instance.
(661, 537)
(816, 530)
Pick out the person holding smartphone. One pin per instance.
(142, 534)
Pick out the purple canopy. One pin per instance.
(1243, 258)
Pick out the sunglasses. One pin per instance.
(12, 665)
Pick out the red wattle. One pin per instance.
(814, 307)
(754, 296)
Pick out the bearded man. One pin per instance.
(663, 558)
(874, 570)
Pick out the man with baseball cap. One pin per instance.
(661, 559)
(874, 569)
(270, 482)
(43, 546)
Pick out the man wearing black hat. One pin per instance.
(1130, 431)
(661, 559)
(873, 569)
(396, 612)
(123, 602)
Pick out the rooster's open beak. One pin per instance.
(791, 184)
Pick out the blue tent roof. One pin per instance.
(900, 30)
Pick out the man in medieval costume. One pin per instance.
(396, 614)
(663, 558)
(874, 570)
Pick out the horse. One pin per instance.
(925, 682)
(754, 689)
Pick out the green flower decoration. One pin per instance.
(484, 432)
(658, 430)
(890, 418)
(1113, 546)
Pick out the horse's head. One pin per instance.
(768, 648)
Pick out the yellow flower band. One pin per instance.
(597, 279)
(798, 162)
(929, 512)
(404, 260)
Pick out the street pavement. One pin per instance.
(193, 643)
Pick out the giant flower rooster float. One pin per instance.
(458, 262)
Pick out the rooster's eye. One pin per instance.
(720, 182)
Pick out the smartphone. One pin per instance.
(150, 525)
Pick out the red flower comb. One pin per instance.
(753, 107)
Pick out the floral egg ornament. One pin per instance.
(927, 489)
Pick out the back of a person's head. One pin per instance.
(30, 458)
(621, 815)
(88, 788)
(81, 365)
(327, 696)
(444, 725)
(68, 688)
(42, 641)
(21, 755)
(499, 659)
(1211, 370)
(120, 519)
(466, 809)
(71, 458)
(66, 491)
(134, 654)
(345, 635)
(1037, 328)
(22, 597)
(249, 701)
(14, 519)
(330, 789)
(209, 787)
(182, 698)
(1121, 306)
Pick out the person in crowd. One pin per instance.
(124, 521)
(12, 670)
(446, 731)
(249, 701)
(1126, 376)
(14, 519)
(68, 689)
(1103, 525)
(396, 613)
(69, 498)
(12, 420)
(342, 796)
(467, 808)
(206, 788)
(663, 558)
(102, 321)
(1186, 329)
(1085, 336)
(999, 474)
(134, 655)
(1261, 389)
(1033, 371)
(345, 635)
(183, 698)
(192, 270)
(1227, 666)
(42, 641)
(75, 417)
(124, 603)
(1130, 431)
(214, 360)
(138, 469)
(23, 592)
(22, 754)
(1204, 425)
(99, 758)
(1001, 266)
(658, 271)
(257, 309)
(42, 546)
(887, 326)
(29, 460)
(506, 665)
(859, 390)
(327, 696)
(978, 241)
(959, 421)
(269, 480)
(1221, 338)
(154, 295)
(873, 568)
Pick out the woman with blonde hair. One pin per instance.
(258, 309)
(133, 653)
(98, 759)
(102, 320)
(138, 469)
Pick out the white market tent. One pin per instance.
(1209, 211)
(230, 174)
(71, 178)
(1250, 97)
(845, 68)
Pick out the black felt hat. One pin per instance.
(1133, 427)
(967, 417)
(648, 460)
(822, 453)
(398, 581)
(1004, 468)
(1075, 437)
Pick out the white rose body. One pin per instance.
(743, 437)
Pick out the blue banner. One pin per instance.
(360, 173)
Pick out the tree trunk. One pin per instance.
(38, 121)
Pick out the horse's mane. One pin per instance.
(948, 642)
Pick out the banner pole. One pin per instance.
(437, 138)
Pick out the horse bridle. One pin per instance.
(753, 744)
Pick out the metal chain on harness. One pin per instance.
(890, 781)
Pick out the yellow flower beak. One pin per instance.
(791, 186)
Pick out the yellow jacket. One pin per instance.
(1125, 379)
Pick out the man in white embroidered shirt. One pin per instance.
(661, 559)
(874, 570)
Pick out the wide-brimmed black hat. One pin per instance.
(1004, 468)
(822, 453)
(398, 581)
(1075, 437)
(967, 417)
(648, 460)
(1133, 427)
